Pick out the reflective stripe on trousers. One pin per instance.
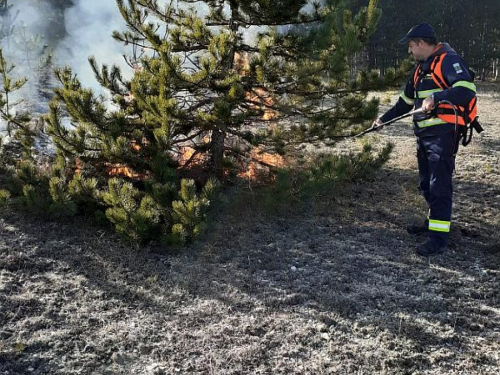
(436, 164)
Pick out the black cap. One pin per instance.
(422, 30)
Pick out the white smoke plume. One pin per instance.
(87, 29)
(84, 29)
(89, 25)
(22, 44)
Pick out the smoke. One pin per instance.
(23, 46)
(71, 32)
(74, 31)
(22, 31)
(89, 25)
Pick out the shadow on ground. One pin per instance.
(333, 289)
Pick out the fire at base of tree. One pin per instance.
(208, 104)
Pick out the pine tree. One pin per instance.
(297, 70)
(193, 86)
(12, 120)
(19, 172)
(203, 96)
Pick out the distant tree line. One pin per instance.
(471, 28)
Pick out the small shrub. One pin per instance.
(136, 216)
(190, 211)
(4, 197)
(325, 170)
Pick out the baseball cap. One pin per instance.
(422, 30)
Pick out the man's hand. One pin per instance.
(377, 124)
(428, 104)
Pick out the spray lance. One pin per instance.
(466, 138)
(375, 127)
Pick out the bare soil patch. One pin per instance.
(334, 288)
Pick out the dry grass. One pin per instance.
(330, 287)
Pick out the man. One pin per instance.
(440, 75)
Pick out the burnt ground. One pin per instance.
(332, 287)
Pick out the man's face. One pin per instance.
(417, 50)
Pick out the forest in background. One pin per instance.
(470, 27)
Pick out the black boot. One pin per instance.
(430, 248)
(417, 230)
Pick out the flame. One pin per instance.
(113, 170)
(260, 95)
(274, 160)
(260, 163)
(259, 99)
(269, 114)
(129, 98)
(78, 166)
(123, 170)
(185, 154)
(136, 146)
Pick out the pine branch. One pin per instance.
(264, 22)
(187, 139)
(254, 160)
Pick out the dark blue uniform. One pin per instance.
(436, 138)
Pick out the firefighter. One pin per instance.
(441, 79)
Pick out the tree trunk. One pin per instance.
(217, 144)
(217, 155)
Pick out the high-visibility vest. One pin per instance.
(445, 112)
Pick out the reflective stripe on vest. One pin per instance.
(468, 85)
(431, 122)
(426, 93)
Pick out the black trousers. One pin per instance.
(436, 163)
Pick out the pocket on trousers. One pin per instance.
(433, 157)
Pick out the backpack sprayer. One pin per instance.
(463, 133)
